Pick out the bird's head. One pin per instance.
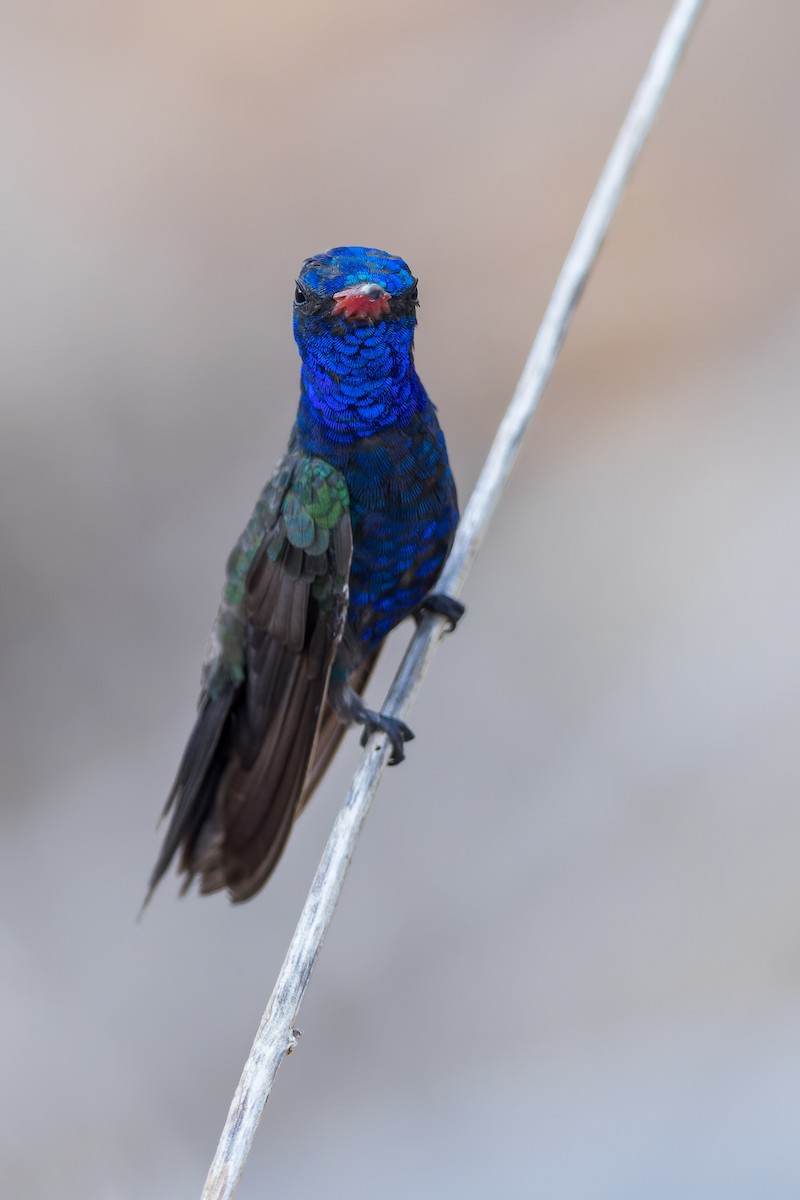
(351, 299)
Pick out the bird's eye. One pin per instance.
(299, 295)
(414, 295)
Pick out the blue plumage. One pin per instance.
(348, 538)
(363, 408)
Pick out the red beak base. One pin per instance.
(362, 302)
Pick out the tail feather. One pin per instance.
(331, 730)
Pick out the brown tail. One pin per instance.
(330, 732)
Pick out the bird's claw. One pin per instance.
(396, 731)
(443, 606)
(351, 708)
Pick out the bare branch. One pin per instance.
(276, 1035)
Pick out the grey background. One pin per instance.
(567, 961)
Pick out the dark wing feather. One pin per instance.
(240, 782)
(192, 793)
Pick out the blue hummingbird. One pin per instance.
(347, 539)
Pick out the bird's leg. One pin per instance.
(443, 606)
(377, 722)
(351, 709)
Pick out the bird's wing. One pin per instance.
(240, 782)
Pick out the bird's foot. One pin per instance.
(443, 606)
(351, 708)
(377, 722)
(396, 731)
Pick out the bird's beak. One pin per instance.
(362, 302)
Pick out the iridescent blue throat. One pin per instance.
(357, 381)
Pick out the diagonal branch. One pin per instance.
(276, 1035)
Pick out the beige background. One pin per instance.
(567, 963)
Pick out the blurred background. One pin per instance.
(567, 960)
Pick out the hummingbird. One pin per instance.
(347, 539)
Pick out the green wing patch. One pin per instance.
(312, 512)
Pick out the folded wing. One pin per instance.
(241, 781)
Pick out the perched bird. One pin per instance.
(348, 537)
